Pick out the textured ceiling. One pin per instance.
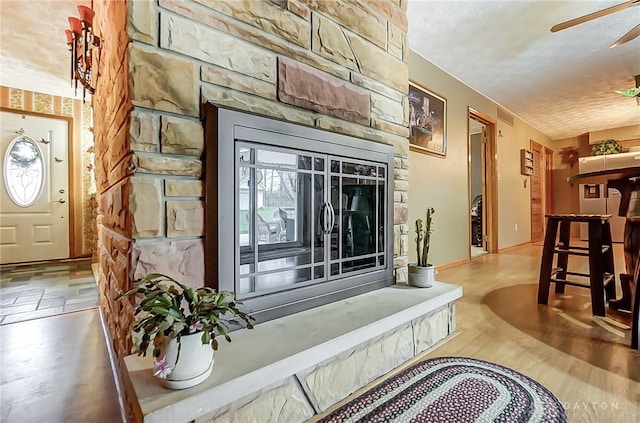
(560, 83)
(33, 47)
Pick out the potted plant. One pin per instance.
(182, 323)
(606, 147)
(422, 274)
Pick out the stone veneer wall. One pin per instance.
(336, 65)
(339, 65)
(113, 169)
(83, 241)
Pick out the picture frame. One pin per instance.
(427, 121)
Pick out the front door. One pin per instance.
(34, 202)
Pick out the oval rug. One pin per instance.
(453, 389)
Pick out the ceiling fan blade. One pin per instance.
(594, 15)
(631, 35)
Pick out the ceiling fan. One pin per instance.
(634, 33)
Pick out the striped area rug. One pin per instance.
(455, 390)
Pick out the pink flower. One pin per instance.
(162, 370)
(195, 327)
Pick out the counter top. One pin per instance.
(628, 172)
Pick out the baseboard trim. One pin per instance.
(512, 247)
(452, 264)
(115, 368)
(113, 359)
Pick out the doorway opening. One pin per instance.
(483, 215)
(540, 191)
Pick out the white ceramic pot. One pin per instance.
(422, 276)
(194, 365)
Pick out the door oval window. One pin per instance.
(23, 171)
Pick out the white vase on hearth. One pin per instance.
(422, 276)
(194, 364)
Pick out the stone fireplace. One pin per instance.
(336, 70)
(339, 66)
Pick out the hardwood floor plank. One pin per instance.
(592, 371)
(56, 369)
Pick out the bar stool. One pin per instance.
(600, 252)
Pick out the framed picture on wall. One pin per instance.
(427, 121)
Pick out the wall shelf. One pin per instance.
(526, 162)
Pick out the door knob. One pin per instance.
(61, 191)
(62, 200)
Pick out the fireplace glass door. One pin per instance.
(279, 196)
(357, 238)
(296, 217)
(292, 231)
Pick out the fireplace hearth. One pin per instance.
(296, 217)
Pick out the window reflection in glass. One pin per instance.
(359, 169)
(318, 163)
(23, 171)
(276, 217)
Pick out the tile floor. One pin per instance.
(32, 291)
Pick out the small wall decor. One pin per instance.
(427, 121)
(526, 162)
(569, 155)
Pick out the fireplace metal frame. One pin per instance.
(223, 127)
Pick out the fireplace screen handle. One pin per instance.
(323, 217)
(328, 217)
(332, 218)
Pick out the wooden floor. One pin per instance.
(585, 362)
(56, 369)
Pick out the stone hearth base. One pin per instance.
(294, 367)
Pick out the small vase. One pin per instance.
(194, 365)
(422, 276)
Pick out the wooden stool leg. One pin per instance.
(563, 258)
(596, 268)
(610, 287)
(546, 263)
(635, 315)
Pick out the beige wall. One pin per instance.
(565, 195)
(444, 183)
(514, 199)
(620, 134)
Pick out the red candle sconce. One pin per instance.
(84, 47)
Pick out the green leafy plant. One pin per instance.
(423, 238)
(606, 147)
(632, 92)
(167, 308)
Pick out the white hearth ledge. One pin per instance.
(279, 348)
